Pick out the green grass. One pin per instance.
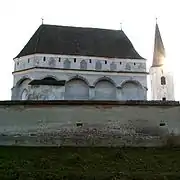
(25, 163)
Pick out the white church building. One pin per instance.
(76, 63)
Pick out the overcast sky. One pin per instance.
(19, 19)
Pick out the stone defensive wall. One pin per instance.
(90, 123)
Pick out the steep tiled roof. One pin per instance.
(65, 40)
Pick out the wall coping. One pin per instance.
(87, 103)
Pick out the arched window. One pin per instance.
(67, 64)
(98, 65)
(163, 80)
(83, 64)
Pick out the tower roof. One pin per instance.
(66, 40)
(159, 50)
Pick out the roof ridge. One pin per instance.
(82, 27)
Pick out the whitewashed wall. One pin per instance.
(104, 82)
(159, 91)
(108, 85)
(57, 61)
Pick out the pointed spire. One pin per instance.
(159, 50)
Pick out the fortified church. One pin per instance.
(76, 63)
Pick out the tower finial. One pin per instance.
(156, 20)
(42, 20)
(121, 25)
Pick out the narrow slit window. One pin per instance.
(44, 59)
(105, 62)
(74, 59)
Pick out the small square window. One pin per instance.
(59, 59)
(79, 124)
(74, 59)
(90, 61)
(134, 63)
(162, 124)
(44, 59)
(105, 62)
(164, 99)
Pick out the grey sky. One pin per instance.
(20, 18)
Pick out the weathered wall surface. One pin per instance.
(95, 124)
(113, 74)
(127, 86)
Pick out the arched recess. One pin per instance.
(105, 90)
(83, 64)
(113, 66)
(49, 77)
(76, 89)
(67, 64)
(23, 80)
(132, 90)
(98, 65)
(24, 94)
(21, 88)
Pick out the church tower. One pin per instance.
(162, 87)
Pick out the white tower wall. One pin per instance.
(161, 91)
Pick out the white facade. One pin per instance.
(162, 86)
(91, 78)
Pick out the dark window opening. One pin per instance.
(28, 60)
(44, 59)
(90, 61)
(17, 63)
(79, 124)
(164, 99)
(74, 59)
(162, 124)
(59, 59)
(163, 80)
(105, 62)
(120, 62)
(134, 63)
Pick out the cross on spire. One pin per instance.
(156, 20)
(42, 20)
(121, 25)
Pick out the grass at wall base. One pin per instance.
(30, 163)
